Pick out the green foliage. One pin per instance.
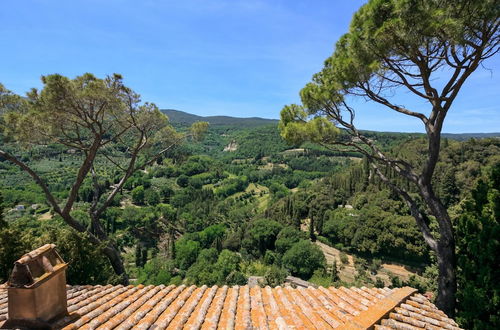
(335, 272)
(196, 165)
(212, 236)
(271, 258)
(296, 129)
(232, 186)
(166, 192)
(275, 276)
(417, 282)
(287, 237)
(303, 258)
(255, 268)
(184, 118)
(478, 245)
(236, 278)
(227, 263)
(87, 264)
(375, 266)
(344, 259)
(427, 49)
(203, 271)
(360, 264)
(211, 268)
(377, 232)
(138, 195)
(321, 277)
(12, 247)
(167, 211)
(261, 236)
(395, 281)
(379, 283)
(186, 253)
(156, 271)
(138, 255)
(151, 197)
(260, 141)
(3, 223)
(198, 130)
(183, 181)
(278, 191)
(251, 202)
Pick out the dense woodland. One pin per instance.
(200, 215)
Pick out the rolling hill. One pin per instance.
(184, 118)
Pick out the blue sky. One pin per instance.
(208, 57)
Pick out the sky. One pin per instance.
(240, 58)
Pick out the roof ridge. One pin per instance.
(368, 318)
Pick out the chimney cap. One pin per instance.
(33, 267)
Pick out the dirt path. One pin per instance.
(45, 216)
(332, 254)
(348, 271)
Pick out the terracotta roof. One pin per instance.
(191, 307)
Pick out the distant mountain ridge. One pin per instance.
(184, 118)
(467, 136)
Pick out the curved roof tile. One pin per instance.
(240, 307)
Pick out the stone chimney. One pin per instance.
(37, 290)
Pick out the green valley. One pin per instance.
(203, 215)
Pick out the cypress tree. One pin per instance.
(138, 257)
(144, 256)
(335, 272)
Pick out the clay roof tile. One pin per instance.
(241, 307)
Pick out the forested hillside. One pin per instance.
(205, 216)
(184, 118)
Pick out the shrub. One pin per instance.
(303, 258)
(138, 195)
(270, 258)
(227, 262)
(151, 197)
(236, 278)
(261, 236)
(323, 240)
(275, 276)
(395, 281)
(287, 237)
(186, 253)
(344, 259)
(379, 283)
(321, 277)
(183, 181)
(375, 266)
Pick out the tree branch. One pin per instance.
(415, 212)
(50, 198)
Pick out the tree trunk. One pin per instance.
(444, 247)
(116, 262)
(447, 280)
(445, 253)
(111, 252)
